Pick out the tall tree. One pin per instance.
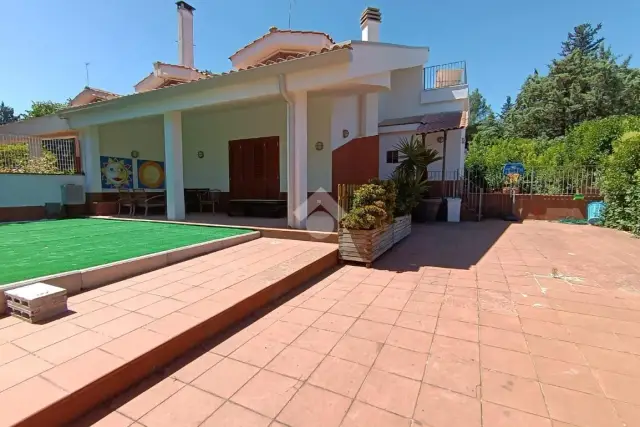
(6, 114)
(479, 112)
(506, 107)
(583, 38)
(44, 108)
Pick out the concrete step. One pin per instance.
(125, 331)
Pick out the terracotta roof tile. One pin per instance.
(276, 30)
(430, 123)
(101, 91)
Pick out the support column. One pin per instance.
(173, 165)
(297, 179)
(90, 152)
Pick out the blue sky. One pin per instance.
(47, 42)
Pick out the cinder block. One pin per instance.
(36, 302)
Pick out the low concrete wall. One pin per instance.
(536, 206)
(94, 277)
(24, 195)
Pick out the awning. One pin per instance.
(430, 123)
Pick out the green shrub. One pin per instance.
(15, 158)
(373, 206)
(620, 184)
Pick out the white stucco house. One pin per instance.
(296, 113)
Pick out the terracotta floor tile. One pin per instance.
(369, 330)
(348, 309)
(225, 378)
(9, 352)
(461, 377)
(442, 408)
(410, 339)
(26, 398)
(334, 322)
(99, 317)
(134, 344)
(594, 338)
(258, 351)
(302, 316)
(317, 340)
(507, 361)
(101, 418)
(357, 350)
(162, 308)
(82, 370)
(86, 296)
(390, 302)
(204, 309)
(295, 362)
(629, 414)
(230, 415)
(318, 304)
(138, 301)
(500, 321)
(189, 407)
(504, 339)
(578, 408)
(340, 376)
(187, 368)
(513, 392)
(173, 324)
(567, 375)
(419, 307)
(501, 416)
(227, 345)
(454, 349)
(545, 329)
(402, 362)
(619, 387)
(543, 314)
(21, 369)
(418, 322)
(194, 294)
(48, 336)
(461, 314)
(390, 392)
(332, 294)
(428, 297)
(141, 399)
(314, 407)
(283, 332)
(117, 296)
(554, 349)
(610, 360)
(363, 415)
(455, 329)
(380, 314)
(72, 347)
(123, 325)
(267, 393)
(170, 289)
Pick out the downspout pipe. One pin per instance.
(291, 146)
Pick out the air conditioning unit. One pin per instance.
(72, 194)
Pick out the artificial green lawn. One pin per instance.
(41, 248)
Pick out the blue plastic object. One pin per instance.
(594, 212)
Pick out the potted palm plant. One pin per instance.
(411, 181)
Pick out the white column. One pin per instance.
(173, 165)
(298, 182)
(371, 114)
(90, 153)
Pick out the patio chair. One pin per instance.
(125, 198)
(149, 200)
(209, 198)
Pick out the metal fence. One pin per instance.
(35, 155)
(445, 75)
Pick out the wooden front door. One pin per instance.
(254, 168)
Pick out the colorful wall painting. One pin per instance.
(150, 174)
(116, 172)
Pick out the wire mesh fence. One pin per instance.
(35, 155)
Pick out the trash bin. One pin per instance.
(453, 209)
(594, 212)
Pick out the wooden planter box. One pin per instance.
(364, 245)
(401, 228)
(367, 245)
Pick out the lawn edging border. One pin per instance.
(93, 277)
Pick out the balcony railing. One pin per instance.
(445, 75)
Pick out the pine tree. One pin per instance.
(583, 39)
(506, 107)
(6, 114)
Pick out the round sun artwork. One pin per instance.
(151, 174)
(116, 172)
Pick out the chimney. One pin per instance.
(185, 33)
(370, 24)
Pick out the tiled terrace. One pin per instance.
(460, 326)
(153, 315)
